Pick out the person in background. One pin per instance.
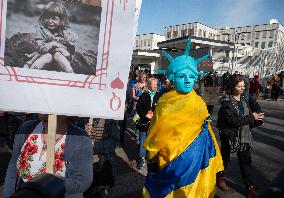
(267, 89)
(139, 87)
(216, 79)
(166, 85)
(256, 86)
(132, 78)
(137, 90)
(148, 73)
(224, 80)
(105, 135)
(73, 146)
(128, 110)
(235, 121)
(3, 128)
(275, 87)
(209, 82)
(145, 109)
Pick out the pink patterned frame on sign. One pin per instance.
(10, 73)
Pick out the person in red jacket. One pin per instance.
(256, 85)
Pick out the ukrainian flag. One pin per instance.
(181, 138)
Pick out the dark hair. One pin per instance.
(232, 81)
(55, 9)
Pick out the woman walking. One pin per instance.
(145, 109)
(235, 120)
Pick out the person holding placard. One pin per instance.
(73, 161)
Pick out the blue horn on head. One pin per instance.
(187, 48)
(168, 56)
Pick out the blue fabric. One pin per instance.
(142, 150)
(184, 169)
(140, 91)
(132, 83)
(152, 94)
(160, 85)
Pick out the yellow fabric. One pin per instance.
(177, 121)
(201, 188)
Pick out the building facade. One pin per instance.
(190, 29)
(148, 41)
(258, 36)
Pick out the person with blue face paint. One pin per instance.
(184, 80)
(183, 154)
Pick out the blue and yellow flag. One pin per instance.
(184, 143)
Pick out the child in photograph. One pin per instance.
(56, 42)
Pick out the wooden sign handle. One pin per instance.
(91, 119)
(51, 135)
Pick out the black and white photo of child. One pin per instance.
(56, 42)
(52, 44)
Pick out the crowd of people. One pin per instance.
(74, 149)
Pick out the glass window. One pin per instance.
(183, 32)
(190, 32)
(225, 37)
(262, 45)
(271, 34)
(237, 37)
(256, 44)
(257, 35)
(175, 34)
(200, 32)
(248, 35)
(264, 34)
(169, 35)
(270, 44)
(148, 42)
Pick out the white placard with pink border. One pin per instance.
(100, 94)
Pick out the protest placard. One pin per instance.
(76, 67)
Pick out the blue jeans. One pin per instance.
(142, 137)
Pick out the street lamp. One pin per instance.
(235, 55)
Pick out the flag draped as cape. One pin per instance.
(180, 136)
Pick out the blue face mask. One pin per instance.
(182, 70)
(184, 80)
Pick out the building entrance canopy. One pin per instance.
(199, 47)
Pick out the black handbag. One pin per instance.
(153, 164)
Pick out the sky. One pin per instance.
(155, 15)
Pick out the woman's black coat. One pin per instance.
(144, 105)
(229, 121)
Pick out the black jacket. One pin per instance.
(229, 121)
(144, 105)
